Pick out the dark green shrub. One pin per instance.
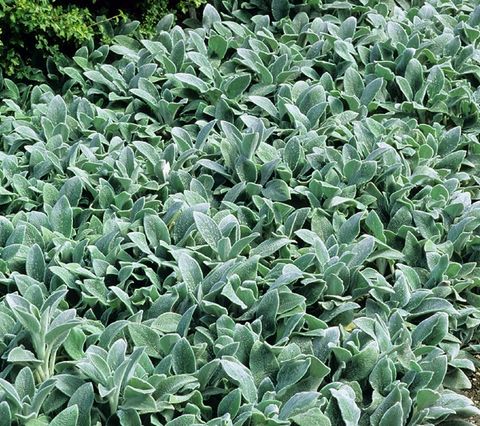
(32, 30)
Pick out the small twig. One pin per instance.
(105, 20)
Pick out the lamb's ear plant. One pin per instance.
(267, 216)
(113, 372)
(45, 327)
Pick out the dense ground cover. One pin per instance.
(271, 219)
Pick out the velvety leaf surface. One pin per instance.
(265, 215)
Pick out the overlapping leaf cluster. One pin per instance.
(272, 219)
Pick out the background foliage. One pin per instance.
(32, 30)
(270, 218)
